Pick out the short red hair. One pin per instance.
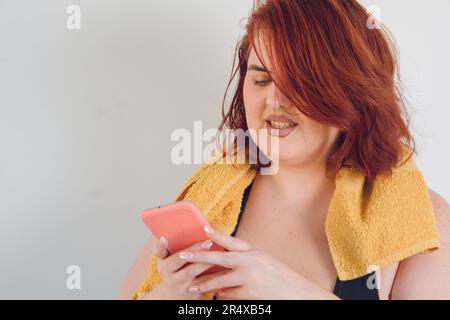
(335, 70)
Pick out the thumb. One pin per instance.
(161, 248)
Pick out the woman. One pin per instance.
(314, 75)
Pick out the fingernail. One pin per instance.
(193, 289)
(208, 229)
(162, 240)
(206, 244)
(186, 255)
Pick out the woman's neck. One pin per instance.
(303, 188)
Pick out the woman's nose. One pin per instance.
(274, 98)
(273, 103)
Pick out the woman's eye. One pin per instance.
(262, 83)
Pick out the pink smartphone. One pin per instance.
(181, 223)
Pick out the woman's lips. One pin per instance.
(281, 133)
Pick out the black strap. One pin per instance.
(362, 288)
(243, 205)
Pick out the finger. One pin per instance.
(228, 259)
(175, 262)
(190, 272)
(161, 248)
(227, 242)
(208, 276)
(231, 293)
(232, 279)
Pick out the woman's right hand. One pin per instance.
(176, 279)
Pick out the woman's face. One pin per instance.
(302, 141)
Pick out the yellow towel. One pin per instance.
(369, 224)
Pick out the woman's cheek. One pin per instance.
(252, 116)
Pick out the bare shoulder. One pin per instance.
(442, 214)
(440, 205)
(425, 276)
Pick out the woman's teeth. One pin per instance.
(281, 125)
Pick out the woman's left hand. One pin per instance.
(254, 274)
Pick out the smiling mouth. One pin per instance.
(280, 129)
(280, 124)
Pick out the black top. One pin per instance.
(356, 289)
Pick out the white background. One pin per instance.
(86, 118)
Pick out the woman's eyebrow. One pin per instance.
(256, 68)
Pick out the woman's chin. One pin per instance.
(283, 155)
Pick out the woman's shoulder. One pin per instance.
(441, 210)
(425, 276)
(441, 206)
